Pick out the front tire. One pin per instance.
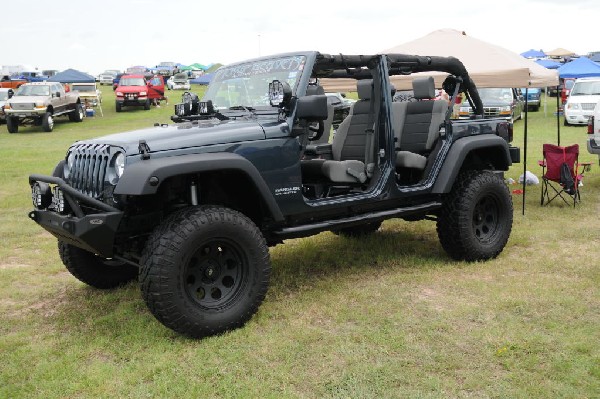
(47, 122)
(147, 105)
(118, 107)
(12, 124)
(94, 270)
(205, 270)
(476, 218)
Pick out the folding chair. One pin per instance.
(566, 186)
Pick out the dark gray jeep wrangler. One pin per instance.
(190, 208)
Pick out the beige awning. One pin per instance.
(488, 65)
(560, 52)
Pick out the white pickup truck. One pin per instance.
(39, 103)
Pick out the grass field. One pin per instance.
(387, 316)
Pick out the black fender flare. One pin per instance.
(458, 153)
(136, 179)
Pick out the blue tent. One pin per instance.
(580, 68)
(533, 54)
(549, 64)
(203, 80)
(72, 76)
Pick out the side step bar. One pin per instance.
(313, 228)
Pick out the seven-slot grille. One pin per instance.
(88, 172)
(588, 106)
(491, 111)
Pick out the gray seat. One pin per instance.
(349, 144)
(417, 124)
(314, 90)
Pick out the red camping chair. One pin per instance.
(560, 173)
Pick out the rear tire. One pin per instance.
(476, 218)
(205, 270)
(47, 122)
(358, 231)
(94, 270)
(12, 124)
(77, 114)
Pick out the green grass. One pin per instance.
(387, 316)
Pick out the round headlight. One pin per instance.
(69, 165)
(120, 164)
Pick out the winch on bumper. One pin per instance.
(58, 209)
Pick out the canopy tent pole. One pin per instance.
(525, 148)
(558, 115)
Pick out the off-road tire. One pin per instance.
(476, 218)
(77, 114)
(205, 270)
(94, 270)
(12, 124)
(48, 122)
(117, 107)
(358, 231)
(147, 105)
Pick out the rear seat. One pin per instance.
(417, 125)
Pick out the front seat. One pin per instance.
(349, 144)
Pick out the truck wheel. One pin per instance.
(205, 270)
(147, 105)
(77, 114)
(358, 231)
(118, 107)
(476, 218)
(94, 270)
(12, 124)
(47, 122)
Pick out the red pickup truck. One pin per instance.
(135, 90)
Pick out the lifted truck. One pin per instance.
(190, 209)
(39, 103)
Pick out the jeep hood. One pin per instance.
(184, 135)
(132, 89)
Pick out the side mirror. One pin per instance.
(11, 93)
(312, 108)
(343, 95)
(280, 94)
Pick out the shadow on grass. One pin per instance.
(303, 262)
(297, 264)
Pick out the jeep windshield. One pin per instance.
(246, 86)
(26, 90)
(132, 82)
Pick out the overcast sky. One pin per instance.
(108, 34)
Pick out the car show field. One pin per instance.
(386, 315)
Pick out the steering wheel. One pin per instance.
(318, 130)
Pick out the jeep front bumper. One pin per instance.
(93, 230)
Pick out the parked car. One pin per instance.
(39, 103)
(132, 91)
(89, 94)
(5, 94)
(179, 81)
(582, 100)
(503, 102)
(32, 76)
(534, 95)
(107, 77)
(593, 141)
(10, 82)
(190, 209)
